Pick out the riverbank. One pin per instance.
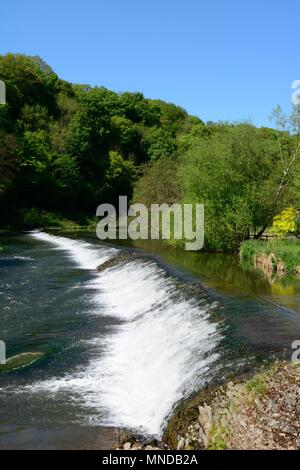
(258, 413)
(273, 256)
(33, 218)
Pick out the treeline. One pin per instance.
(243, 175)
(66, 148)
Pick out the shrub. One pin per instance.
(285, 223)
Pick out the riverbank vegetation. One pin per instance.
(66, 148)
(282, 256)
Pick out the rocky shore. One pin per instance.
(128, 441)
(258, 413)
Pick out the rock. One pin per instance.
(187, 442)
(181, 443)
(224, 421)
(203, 438)
(127, 445)
(137, 445)
(214, 305)
(206, 418)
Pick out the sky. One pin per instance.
(219, 59)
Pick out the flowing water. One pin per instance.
(123, 345)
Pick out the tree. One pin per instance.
(126, 137)
(159, 182)
(232, 173)
(9, 162)
(285, 223)
(119, 178)
(289, 126)
(26, 83)
(158, 143)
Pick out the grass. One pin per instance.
(257, 387)
(285, 251)
(217, 437)
(35, 218)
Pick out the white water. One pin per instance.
(159, 353)
(86, 255)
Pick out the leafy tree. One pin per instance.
(126, 137)
(233, 173)
(25, 83)
(159, 183)
(119, 178)
(9, 163)
(65, 145)
(136, 108)
(285, 223)
(289, 151)
(33, 118)
(158, 143)
(172, 117)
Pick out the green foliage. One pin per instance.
(119, 177)
(285, 223)
(9, 164)
(257, 386)
(233, 172)
(218, 436)
(284, 251)
(159, 143)
(126, 137)
(159, 183)
(33, 217)
(27, 82)
(71, 147)
(248, 250)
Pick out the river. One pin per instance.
(122, 346)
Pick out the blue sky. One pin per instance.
(219, 59)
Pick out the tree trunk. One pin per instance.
(261, 232)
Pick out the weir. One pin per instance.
(162, 349)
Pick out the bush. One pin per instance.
(35, 218)
(285, 223)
